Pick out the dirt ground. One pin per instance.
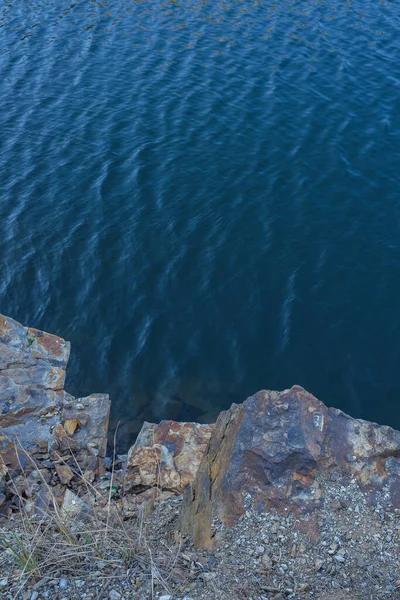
(346, 551)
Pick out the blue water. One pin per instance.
(204, 198)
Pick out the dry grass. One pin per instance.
(93, 542)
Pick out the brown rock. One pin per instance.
(166, 456)
(272, 449)
(70, 425)
(37, 417)
(64, 473)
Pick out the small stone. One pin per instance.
(279, 597)
(335, 585)
(3, 582)
(361, 562)
(63, 584)
(318, 564)
(64, 473)
(34, 595)
(70, 426)
(351, 457)
(388, 538)
(340, 558)
(165, 598)
(336, 504)
(260, 550)
(266, 561)
(333, 548)
(114, 595)
(205, 576)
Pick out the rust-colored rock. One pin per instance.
(275, 449)
(70, 426)
(37, 417)
(166, 456)
(64, 473)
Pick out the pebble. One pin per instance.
(318, 564)
(335, 585)
(260, 550)
(63, 584)
(165, 598)
(3, 582)
(114, 595)
(340, 558)
(34, 595)
(266, 561)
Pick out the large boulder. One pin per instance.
(38, 419)
(279, 449)
(165, 456)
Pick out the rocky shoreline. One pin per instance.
(281, 498)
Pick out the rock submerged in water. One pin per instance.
(277, 449)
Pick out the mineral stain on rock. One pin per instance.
(37, 416)
(275, 450)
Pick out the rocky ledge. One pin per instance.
(279, 474)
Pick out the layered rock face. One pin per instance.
(279, 449)
(39, 421)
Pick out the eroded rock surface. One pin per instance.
(166, 456)
(279, 449)
(40, 423)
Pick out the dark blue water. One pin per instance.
(204, 198)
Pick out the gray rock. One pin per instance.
(63, 583)
(340, 558)
(36, 412)
(114, 595)
(292, 437)
(318, 564)
(34, 595)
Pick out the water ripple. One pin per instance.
(204, 198)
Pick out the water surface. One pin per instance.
(204, 198)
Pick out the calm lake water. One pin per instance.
(204, 198)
